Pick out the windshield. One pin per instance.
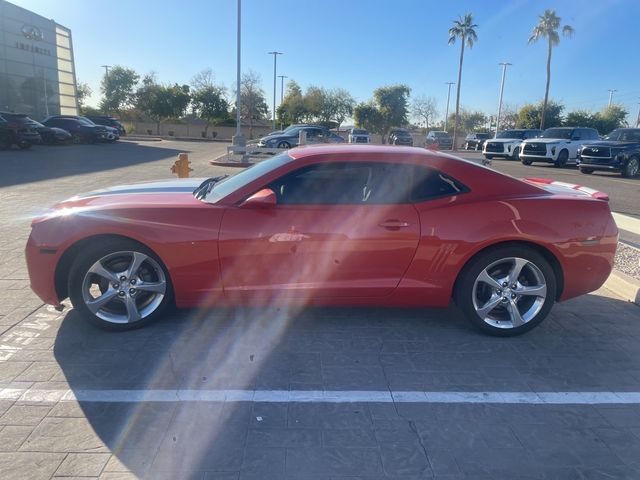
(511, 134)
(239, 180)
(440, 134)
(564, 133)
(623, 135)
(358, 131)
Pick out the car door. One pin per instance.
(340, 229)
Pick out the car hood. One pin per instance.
(613, 143)
(504, 140)
(162, 194)
(547, 140)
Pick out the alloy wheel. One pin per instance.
(509, 292)
(124, 287)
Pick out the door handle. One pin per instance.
(393, 224)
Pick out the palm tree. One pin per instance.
(464, 29)
(547, 27)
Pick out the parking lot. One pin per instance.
(316, 393)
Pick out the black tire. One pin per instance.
(632, 168)
(488, 157)
(465, 295)
(563, 157)
(24, 145)
(588, 171)
(516, 154)
(77, 138)
(284, 145)
(90, 255)
(525, 161)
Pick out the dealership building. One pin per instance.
(37, 72)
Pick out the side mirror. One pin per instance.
(265, 198)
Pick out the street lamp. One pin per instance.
(504, 66)
(275, 62)
(446, 115)
(282, 77)
(638, 119)
(611, 91)
(238, 140)
(106, 81)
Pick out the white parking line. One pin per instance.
(35, 395)
(627, 223)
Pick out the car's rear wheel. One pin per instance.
(119, 285)
(588, 171)
(563, 157)
(488, 157)
(506, 291)
(516, 153)
(284, 145)
(632, 168)
(526, 162)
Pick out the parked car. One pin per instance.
(290, 137)
(557, 145)
(507, 143)
(330, 225)
(289, 128)
(53, 135)
(335, 138)
(82, 131)
(619, 152)
(475, 141)
(439, 140)
(400, 136)
(359, 135)
(108, 122)
(16, 129)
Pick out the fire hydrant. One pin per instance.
(181, 167)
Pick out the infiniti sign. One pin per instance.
(32, 32)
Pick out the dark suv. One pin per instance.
(108, 122)
(400, 136)
(81, 130)
(17, 129)
(439, 140)
(475, 141)
(619, 151)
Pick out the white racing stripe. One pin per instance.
(34, 395)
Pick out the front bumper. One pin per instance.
(537, 158)
(41, 265)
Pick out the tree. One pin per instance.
(253, 104)
(463, 29)
(392, 102)
(470, 121)
(341, 105)
(580, 118)
(292, 108)
(424, 108)
(547, 27)
(162, 101)
(530, 114)
(367, 116)
(118, 89)
(611, 117)
(508, 117)
(208, 99)
(83, 91)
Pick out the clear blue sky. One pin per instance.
(360, 45)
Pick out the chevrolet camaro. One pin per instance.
(356, 225)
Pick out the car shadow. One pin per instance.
(49, 162)
(587, 344)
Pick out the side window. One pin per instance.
(594, 135)
(429, 183)
(339, 183)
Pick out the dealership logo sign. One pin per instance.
(32, 33)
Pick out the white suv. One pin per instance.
(359, 135)
(557, 145)
(507, 143)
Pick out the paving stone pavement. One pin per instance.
(590, 344)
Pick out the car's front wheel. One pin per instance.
(632, 168)
(507, 290)
(563, 158)
(516, 154)
(526, 162)
(588, 171)
(284, 145)
(119, 285)
(24, 145)
(77, 138)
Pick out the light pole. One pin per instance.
(446, 115)
(638, 118)
(238, 139)
(504, 71)
(106, 81)
(281, 77)
(275, 63)
(611, 91)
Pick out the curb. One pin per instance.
(623, 285)
(137, 138)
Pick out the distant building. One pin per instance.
(37, 72)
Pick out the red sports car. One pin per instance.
(328, 225)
